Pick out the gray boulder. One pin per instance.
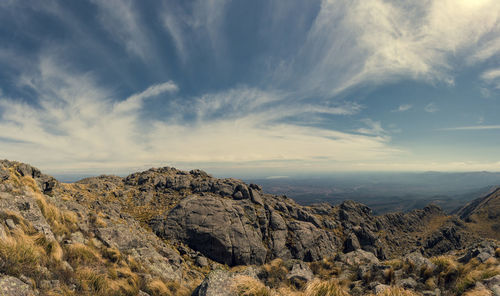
(300, 274)
(14, 287)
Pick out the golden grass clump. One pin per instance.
(275, 273)
(473, 272)
(325, 288)
(324, 268)
(395, 263)
(80, 254)
(90, 281)
(158, 287)
(112, 254)
(397, 291)
(19, 255)
(248, 286)
(25, 226)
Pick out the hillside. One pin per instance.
(170, 232)
(483, 214)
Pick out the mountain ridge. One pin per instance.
(165, 230)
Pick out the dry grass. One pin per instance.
(275, 273)
(158, 287)
(80, 254)
(25, 226)
(497, 252)
(478, 292)
(91, 281)
(475, 271)
(19, 255)
(248, 286)
(325, 268)
(396, 291)
(325, 288)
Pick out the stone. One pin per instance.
(483, 256)
(492, 281)
(201, 261)
(10, 223)
(300, 274)
(496, 290)
(14, 287)
(380, 288)
(359, 257)
(218, 282)
(408, 283)
(3, 233)
(77, 237)
(351, 243)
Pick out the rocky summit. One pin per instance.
(170, 232)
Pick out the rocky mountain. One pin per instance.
(170, 232)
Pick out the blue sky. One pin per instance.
(268, 87)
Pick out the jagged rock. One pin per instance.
(300, 274)
(14, 287)
(351, 243)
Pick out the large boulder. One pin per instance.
(222, 229)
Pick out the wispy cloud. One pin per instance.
(471, 128)
(431, 108)
(79, 124)
(403, 108)
(120, 19)
(386, 40)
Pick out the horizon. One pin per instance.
(260, 88)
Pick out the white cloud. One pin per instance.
(431, 108)
(403, 108)
(373, 128)
(78, 125)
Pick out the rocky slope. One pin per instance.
(483, 214)
(164, 231)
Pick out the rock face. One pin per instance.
(239, 231)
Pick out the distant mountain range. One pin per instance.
(386, 192)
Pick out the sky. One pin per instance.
(257, 87)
